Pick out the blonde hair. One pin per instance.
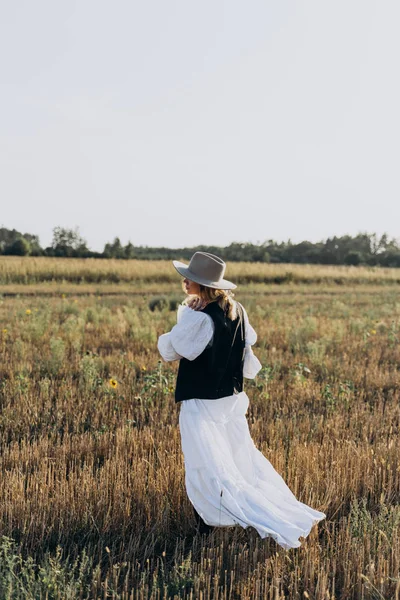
(225, 299)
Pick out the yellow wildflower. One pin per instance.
(144, 368)
(4, 331)
(28, 311)
(373, 331)
(62, 295)
(113, 383)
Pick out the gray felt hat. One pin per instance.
(206, 269)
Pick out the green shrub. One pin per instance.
(158, 303)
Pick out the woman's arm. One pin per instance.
(251, 363)
(166, 349)
(189, 337)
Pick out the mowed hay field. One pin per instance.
(92, 494)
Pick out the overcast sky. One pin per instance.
(176, 123)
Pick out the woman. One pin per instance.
(228, 481)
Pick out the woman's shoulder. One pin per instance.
(187, 315)
(240, 307)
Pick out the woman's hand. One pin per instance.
(196, 303)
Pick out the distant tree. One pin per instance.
(129, 250)
(353, 258)
(304, 252)
(390, 258)
(36, 249)
(242, 252)
(68, 242)
(7, 237)
(19, 247)
(114, 250)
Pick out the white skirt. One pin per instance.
(229, 481)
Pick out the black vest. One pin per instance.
(218, 370)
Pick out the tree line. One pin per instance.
(361, 249)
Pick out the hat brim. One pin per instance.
(222, 284)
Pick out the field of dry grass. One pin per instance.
(32, 270)
(92, 496)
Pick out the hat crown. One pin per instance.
(207, 266)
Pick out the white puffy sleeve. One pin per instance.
(251, 363)
(189, 337)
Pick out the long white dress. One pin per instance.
(228, 480)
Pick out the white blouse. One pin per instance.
(194, 331)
